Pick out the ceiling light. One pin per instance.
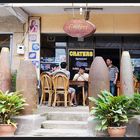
(81, 10)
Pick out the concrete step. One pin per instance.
(60, 133)
(66, 116)
(45, 109)
(50, 124)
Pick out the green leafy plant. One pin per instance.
(113, 111)
(13, 81)
(11, 104)
(135, 104)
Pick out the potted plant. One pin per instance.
(113, 112)
(11, 103)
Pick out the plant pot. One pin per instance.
(7, 130)
(117, 131)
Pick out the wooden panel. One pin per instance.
(128, 23)
(105, 23)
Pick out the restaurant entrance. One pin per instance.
(57, 48)
(113, 54)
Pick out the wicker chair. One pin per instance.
(60, 86)
(46, 84)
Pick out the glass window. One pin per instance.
(60, 55)
(108, 41)
(131, 42)
(53, 52)
(4, 41)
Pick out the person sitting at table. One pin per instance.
(81, 76)
(71, 90)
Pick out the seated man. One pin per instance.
(67, 73)
(81, 76)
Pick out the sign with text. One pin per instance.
(79, 28)
(78, 58)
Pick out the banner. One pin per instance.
(78, 58)
(34, 43)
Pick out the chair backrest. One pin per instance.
(60, 81)
(44, 73)
(135, 82)
(60, 72)
(46, 82)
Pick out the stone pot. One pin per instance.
(117, 131)
(7, 130)
(91, 128)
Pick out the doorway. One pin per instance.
(6, 40)
(113, 54)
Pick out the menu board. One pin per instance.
(78, 58)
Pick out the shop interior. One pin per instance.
(54, 48)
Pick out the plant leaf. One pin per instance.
(104, 121)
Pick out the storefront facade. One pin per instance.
(105, 45)
(114, 33)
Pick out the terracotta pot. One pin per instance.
(117, 131)
(7, 130)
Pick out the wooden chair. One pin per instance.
(136, 90)
(60, 85)
(118, 88)
(58, 73)
(135, 83)
(44, 73)
(46, 84)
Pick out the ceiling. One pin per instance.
(4, 12)
(60, 9)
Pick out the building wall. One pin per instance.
(105, 23)
(11, 24)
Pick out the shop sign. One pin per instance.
(79, 28)
(80, 57)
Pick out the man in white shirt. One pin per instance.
(81, 76)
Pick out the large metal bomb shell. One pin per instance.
(26, 82)
(126, 75)
(98, 78)
(5, 72)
